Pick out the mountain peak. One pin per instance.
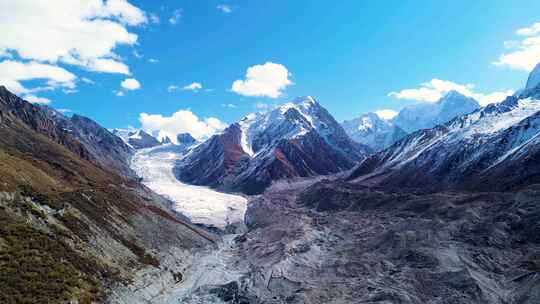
(304, 100)
(452, 94)
(185, 138)
(534, 78)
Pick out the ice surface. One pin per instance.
(201, 204)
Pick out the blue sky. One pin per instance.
(350, 55)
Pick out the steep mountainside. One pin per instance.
(473, 151)
(72, 227)
(79, 134)
(297, 139)
(371, 130)
(427, 115)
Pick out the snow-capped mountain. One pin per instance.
(138, 139)
(427, 115)
(534, 78)
(470, 151)
(371, 130)
(299, 138)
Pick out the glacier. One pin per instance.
(200, 204)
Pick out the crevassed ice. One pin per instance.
(201, 204)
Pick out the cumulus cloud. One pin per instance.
(82, 33)
(386, 114)
(14, 73)
(176, 15)
(268, 80)
(433, 90)
(523, 53)
(192, 87)
(37, 100)
(180, 122)
(130, 84)
(224, 8)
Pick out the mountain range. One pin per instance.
(378, 133)
(438, 205)
(473, 151)
(296, 139)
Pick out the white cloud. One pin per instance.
(12, 73)
(177, 14)
(192, 87)
(153, 60)
(268, 80)
(87, 80)
(529, 31)
(118, 93)
(180, 122)
(228, 105)
(224, 8)
(524, 54)
(63, 111)
(386, 114)
(83, 32)
(261, 106)
(172, 88)
(154, 18)
(36, 100)
(130, 84)
(433, 90)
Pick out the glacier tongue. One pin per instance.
(201, 204)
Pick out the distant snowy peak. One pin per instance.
(137, 139)
(466, 152)
(371, 130)
(534, 78)
(427, 115)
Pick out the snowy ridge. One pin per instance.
(273, 123)
(467, 147)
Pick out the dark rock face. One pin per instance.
(213, 160)
(185, 138)
(337, 242)
(299, 139)
(79, 134)
(110, 150)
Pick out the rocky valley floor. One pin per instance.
(328, 241)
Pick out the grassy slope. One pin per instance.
(53, 206)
